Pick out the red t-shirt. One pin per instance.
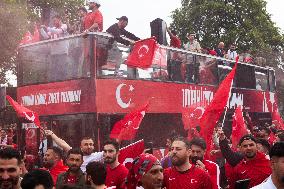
(57, 169)
(214, 172)
(116, 177)
(192, 178)
(175, 42)
(94, 17)
(257, 169)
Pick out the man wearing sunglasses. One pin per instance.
(10, 169)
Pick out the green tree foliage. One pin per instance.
(13, 25)
(245, 23)
(19, 16)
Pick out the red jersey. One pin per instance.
(192, 178)
(257, 170)
(94, 17)
(214, 172)
(57, 169)
(116, 177)
(175, 42)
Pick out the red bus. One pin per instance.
(80, 86)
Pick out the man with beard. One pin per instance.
(183, 174)
(93, 21)
(87, 147)
(146, 173)
(116, 172)
(276, 179)
(254, 166)
(74, 175)
(53, 162)
(10, 169)
(198, 148)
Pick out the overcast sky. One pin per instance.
(141, 13)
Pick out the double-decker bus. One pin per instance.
(81, 86)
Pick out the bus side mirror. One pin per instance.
(2, 98)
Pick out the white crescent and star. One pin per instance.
(118, 96)
(142, 53)
(198, 108)
(30, 118)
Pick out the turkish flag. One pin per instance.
(130, 152)
(191, 116)
(215, 109)
(28, 38)
(238, 128)
(142, 53)
(277, 120)
(127, 128)
(24, 112)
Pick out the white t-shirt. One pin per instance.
(267, 184)
(97, 156)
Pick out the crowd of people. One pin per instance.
(257, 162)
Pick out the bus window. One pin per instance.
(55, 60)
(271, 75)
(224, 70)
(111, 58)
(176, 65)
(245, 77)
(207, 70)
(261, 79)
(72, 128)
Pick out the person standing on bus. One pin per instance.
(192, 66)
(58, 30)
(232, 53)
(118, 30)
(114, 53)
(116, 172)
(93, 21)
(183, 174)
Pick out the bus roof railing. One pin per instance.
(104, 34)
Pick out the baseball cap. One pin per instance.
(123, 18)
(247, 137)
(94, 1)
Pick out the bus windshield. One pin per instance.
(55, 60)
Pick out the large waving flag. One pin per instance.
(24, 112)
(238, 128)
(215, 109)
(127, 128)
(142, 53)
(128, 153)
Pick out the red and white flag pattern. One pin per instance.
(127, 128)
(24, 112)
(238, 128)
(129, 153)
(142, 53)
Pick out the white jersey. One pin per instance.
(97, 156)
(267, 184)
